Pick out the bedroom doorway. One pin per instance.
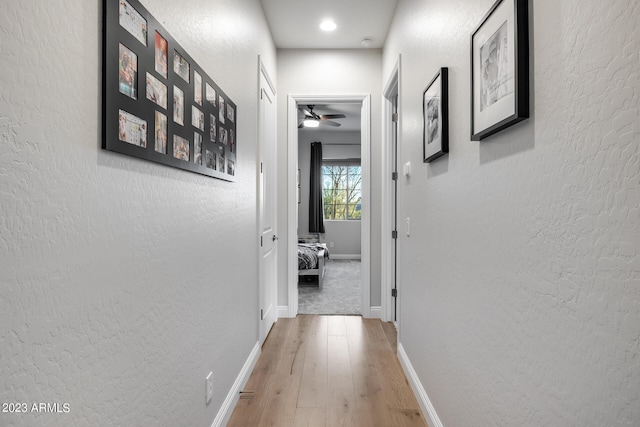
(330, 285)
(297, 105)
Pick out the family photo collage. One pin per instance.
(159, 105)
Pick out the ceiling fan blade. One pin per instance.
(301, 125)
(305, 111)
(332, 116)
(330, 123)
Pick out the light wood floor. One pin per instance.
(328, 371)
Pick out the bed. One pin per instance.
(311, 257)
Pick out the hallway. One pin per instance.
(328, 371)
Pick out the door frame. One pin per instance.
(391, 89)
(292, 204)
(262, 71)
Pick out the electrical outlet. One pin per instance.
(209, 386)
(330, 244)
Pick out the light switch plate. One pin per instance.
(209, 386)
(407, 169)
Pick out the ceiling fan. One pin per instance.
(312, 119)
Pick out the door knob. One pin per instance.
(274, 238)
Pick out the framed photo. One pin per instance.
(132, 129)
(132, 21)
(127, 72)
(156, 91)
(161, 55)
(180, 148)
(161, 133)
(212, 160)
(500, 69)
(197, 88)
(197, 118)
(210, 94)
(197, 148)
(158, 104)
(435, 107)
(181, 66)
(178, 105)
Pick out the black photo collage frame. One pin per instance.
(158, 103)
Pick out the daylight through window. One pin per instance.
(342, 190)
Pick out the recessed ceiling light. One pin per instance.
(328, 25)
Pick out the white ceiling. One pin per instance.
(295, 23)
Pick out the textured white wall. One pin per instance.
(520, 286)
(122, 282)
(324, 71)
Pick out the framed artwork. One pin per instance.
(435, 108)
(500, 69)
(158, 103)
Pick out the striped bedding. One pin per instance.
(308, 255)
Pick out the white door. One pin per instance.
(267, 207)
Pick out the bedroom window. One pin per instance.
(342, 190)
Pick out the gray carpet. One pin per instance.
(340, 292)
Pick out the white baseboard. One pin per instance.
(283, 311)
(375, 312)
(344, 256)
(224, 414)
(425, 404)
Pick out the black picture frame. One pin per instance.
(435, 111)
(149, 102)
(500, 69)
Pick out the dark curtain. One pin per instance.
(316, 214)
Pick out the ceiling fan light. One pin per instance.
(311, 123)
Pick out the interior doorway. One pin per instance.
(294, 102)
(330, 285)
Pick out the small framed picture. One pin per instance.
(197, 118)
(500, 69)
(221, 109)
(180, 148)
(132, 21)
(231, 113)
(222, 163)
(435, 107)
(197, 148)
(181, 66)
(156, 91)
(211, 160)
(197, 87)
(178, 105)
(161, 133)
(127, 72)
(132, 129)
(210, 94)
(212, 128)
(161, 55)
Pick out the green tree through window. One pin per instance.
(342, 190)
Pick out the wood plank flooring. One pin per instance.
(328, 371)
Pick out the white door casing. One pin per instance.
(267, 205)
(292, 205)
(391, 136)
